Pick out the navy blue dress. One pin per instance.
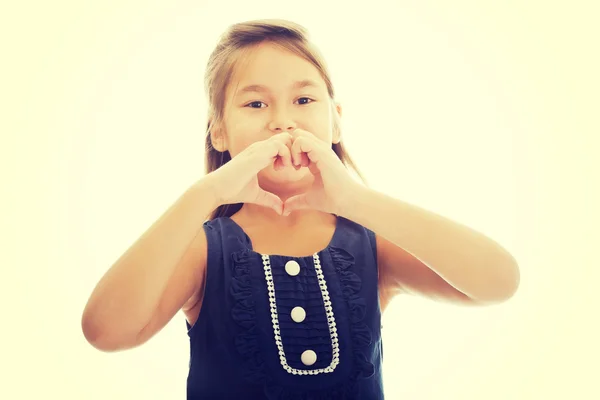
(279, 327)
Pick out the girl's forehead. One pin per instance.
(267, 64)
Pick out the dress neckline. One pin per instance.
(250, 247)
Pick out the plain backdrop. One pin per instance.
(485, 112)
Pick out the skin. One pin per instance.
(255, 115)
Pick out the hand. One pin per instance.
(237, 181)
(332, 185)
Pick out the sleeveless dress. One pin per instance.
(281, 328)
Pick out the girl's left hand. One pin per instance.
(332, 185)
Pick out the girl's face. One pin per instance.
(272, 91)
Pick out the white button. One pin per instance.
(292, 268)
(298, 314)
(309, 357)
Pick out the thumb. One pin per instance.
(297, 202)
(270, 200)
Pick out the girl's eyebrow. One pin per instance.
(263, 89)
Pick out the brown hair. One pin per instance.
(219, 71)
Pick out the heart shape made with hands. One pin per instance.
(314, 197)
(331, 185)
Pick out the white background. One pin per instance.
(485, 112)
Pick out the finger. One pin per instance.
(278, 163)
(302, 132)
(305, 161)
(298, 202)
(296, 154)
(306, 150)
(284, 152)
(270, 200)
(296, 151)
(283, 157)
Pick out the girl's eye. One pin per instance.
(305, 98)
(255, 102)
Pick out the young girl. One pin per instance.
(280, 260)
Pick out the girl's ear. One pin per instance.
(337, 131)
(218, 138)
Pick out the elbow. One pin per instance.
(93, 335)
(511, 277)
(503, 283)
(100, 338)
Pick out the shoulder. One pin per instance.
(357, 231)
(217, 226)
(354, 227)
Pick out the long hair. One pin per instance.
(220, 68)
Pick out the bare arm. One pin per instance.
(154, 278)
(422, 252)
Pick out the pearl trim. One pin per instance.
(328, 311)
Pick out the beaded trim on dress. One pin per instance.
(328, 310)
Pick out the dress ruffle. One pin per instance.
(243, 313)
(361, 333)
(246, 342)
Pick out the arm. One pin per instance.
(154, 278)
(421, 252)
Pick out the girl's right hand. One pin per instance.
(237, 181)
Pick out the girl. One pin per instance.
(280, 260)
